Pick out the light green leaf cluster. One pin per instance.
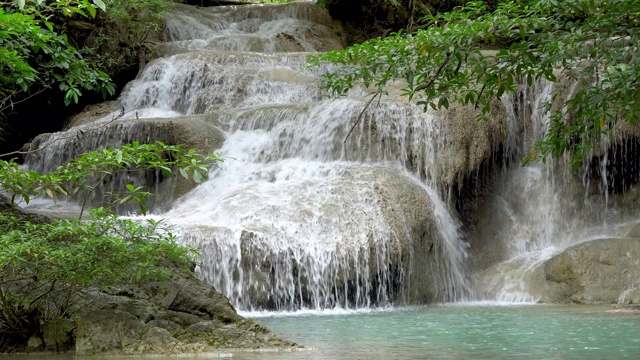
(473, 55)
(83, 176)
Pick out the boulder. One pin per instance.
(595, 272)
(180, 315)
(188, 131)
(59, 335)
(369, 235)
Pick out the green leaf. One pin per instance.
(100, 4)
(92, 11)
(165, 170)
(197, 176)
(124, 199)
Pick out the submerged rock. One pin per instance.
(594, 272)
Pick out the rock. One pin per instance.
(183, 295)
(58, 336)
(633, 231)
(594, 272)
(178, 315)
(190, 132)
(35, 343)
(92, 113)
(165, 324)
(467, 142)
(288, 43)
(631, 296)
(626, 308)
(14, 210)
(367, 235)
(107, 332)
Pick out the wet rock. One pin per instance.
(631, 296)
(190, 132)
(628, 308)
(288, 43)
(594, 272)
(468, 143)
(367, 236)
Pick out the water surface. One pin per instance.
(463, 332)
(448, 332)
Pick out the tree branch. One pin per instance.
(358, 120)
(435, 76)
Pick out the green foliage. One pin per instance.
(83, 176)
(471, 55)
(34, 56)
(276, 1)
(45, 269)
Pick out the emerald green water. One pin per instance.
(450, 332)
(464, 332)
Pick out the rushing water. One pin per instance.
(297, 217)
(449, 332)
(300, 217)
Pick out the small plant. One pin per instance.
(35, 56)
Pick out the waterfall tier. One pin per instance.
(303, 216)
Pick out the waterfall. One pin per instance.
(302, 216)
(298, 216)
(538, 210)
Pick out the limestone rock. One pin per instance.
(189, 132)
(368, 235)
(58, 336)
(107, 332)
(179, 315)
(594, 272)
(469, 142)
(631, 296)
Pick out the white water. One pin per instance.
(296, 219)
(539, 210)
(288, 223)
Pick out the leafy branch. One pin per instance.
(472, 55)
(84, 175)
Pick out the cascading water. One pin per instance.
(300, 217)
(538, 210)
(297, 217)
